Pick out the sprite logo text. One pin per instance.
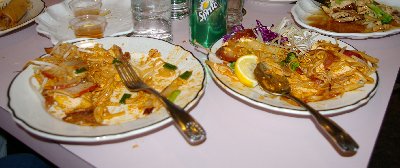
(206, 8)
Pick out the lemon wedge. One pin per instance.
(244, 70)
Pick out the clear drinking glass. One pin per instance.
(235, 14)
(152, 18)
(179, 9)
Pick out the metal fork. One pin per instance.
(191, 130)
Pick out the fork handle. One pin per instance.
(186, 124)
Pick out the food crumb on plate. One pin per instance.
(135, 146)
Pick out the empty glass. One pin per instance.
(235, 14)
(152, 18)
(179, 9)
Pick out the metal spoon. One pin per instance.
(279, 85)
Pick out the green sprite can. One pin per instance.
(207, 21)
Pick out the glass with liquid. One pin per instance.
(85, 7)
(88, 26)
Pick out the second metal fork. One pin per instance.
(185, 123)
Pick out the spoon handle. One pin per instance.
(343, 141)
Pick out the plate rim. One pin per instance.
(292, 111)
(336, 34)
(105, 137)
(30, 20)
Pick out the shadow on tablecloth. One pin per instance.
(386, 152)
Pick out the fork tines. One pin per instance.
(125, 69)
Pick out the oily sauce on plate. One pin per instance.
(323, 21)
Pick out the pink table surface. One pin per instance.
(239, 135)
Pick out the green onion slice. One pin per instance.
(174, 94)
(186, 75)
(115, 60)
(80, 70)
(124, 97)
(170, 66)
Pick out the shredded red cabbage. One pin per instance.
(236, 28)
(266, 34)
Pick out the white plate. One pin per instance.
(305, 8)
(53, 23)
(256, 96)
(37, 8)
(29, 112)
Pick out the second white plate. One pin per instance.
(256, 96)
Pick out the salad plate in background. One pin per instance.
(54, 22)
(306, 8)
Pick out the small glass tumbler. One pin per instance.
(235, 14)
(180, 9)
(152, 18)
(89, 26)
(85, 7)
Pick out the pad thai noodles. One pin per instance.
(316, 70)
(81, 85)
